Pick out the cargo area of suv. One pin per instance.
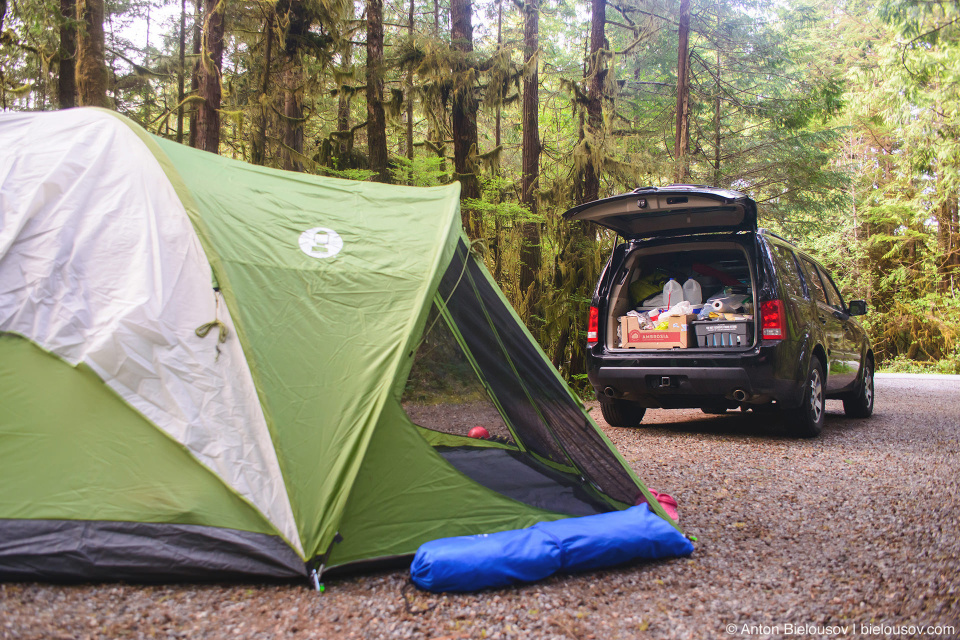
(698, 308)
(715, 278)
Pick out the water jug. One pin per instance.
(672, 293)
(692, 292)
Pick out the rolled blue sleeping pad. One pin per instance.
(607, 539)
(470, 563)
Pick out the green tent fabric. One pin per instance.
(210, 369)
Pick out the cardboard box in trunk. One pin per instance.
(676, 335)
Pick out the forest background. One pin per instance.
(841, 119)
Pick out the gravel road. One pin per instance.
(797, 539)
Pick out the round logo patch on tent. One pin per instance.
(321, 242)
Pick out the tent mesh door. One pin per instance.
(547, 422)
(443, 392)
(446, 395)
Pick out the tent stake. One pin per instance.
(315, 579)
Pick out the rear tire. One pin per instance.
(807, 419)
(861, 404)
(621, 413)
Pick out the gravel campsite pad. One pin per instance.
(796, 538)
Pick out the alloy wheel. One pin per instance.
(816, 395)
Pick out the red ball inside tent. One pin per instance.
(478, 432)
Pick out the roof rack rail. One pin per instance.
(766, 231)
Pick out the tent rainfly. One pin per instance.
(215, 370)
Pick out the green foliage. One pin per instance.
(842, 120)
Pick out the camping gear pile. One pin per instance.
(199, 380)
(678, 317)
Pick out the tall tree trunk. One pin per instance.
(67, 75)
(954, 257)
(577, 277)
(579, 176)
(345, 140)
(496, 243)
(211, 65)
(146, 103)
(91, 64)
(293, 116)
(717, 121)
(496, 139)
(259, 147)
(530, 249)
(298, 18)
(948, 243)
(195, 77)
(464, 109)
(410, 89)
(682, 141)
(376, 120)
(597, 74)
(717, 135)
(181, 68)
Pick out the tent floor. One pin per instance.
(514, 475)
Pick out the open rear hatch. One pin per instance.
(677, 209)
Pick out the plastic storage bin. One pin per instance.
(720, 333)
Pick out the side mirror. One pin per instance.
(857, 307)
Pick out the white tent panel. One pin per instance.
(100, 264)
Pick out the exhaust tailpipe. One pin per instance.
(740, 395)
(609, 392)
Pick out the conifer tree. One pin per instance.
(91, 64)
(376, 118)
(211, 64)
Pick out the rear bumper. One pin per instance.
(694, 378)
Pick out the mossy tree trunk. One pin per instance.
(67, 74)
(463, 114)
(211, 65)
(258, 153)
(91, 64)
(195, 76)
(682, 139)
(376, 119)
(596, 75)
(529, 180)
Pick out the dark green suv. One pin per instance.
(763, 326)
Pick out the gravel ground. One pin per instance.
(855, 529)
(459, 418)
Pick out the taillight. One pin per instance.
(773, 322)
(593, 325)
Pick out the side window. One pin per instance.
(813, 281)
(789, 275)
(833, 296)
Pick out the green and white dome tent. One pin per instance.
(210, 369)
